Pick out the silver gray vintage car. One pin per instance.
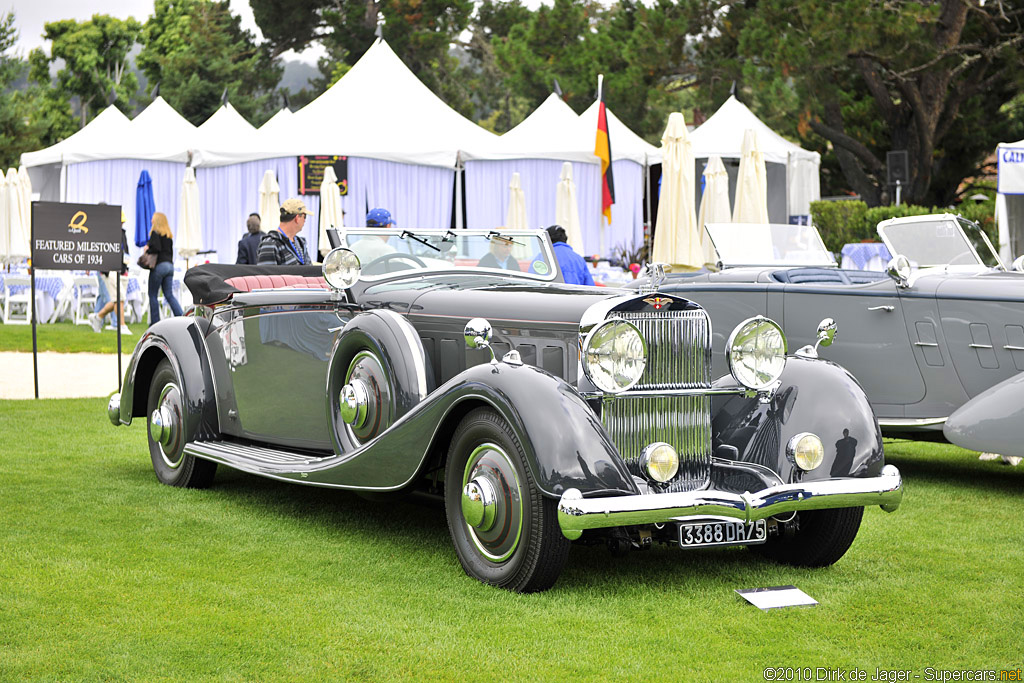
(929, 337)
(458, 366)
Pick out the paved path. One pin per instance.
(61, 375)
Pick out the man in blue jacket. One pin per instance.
(574, 269)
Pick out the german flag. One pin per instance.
(603, 150)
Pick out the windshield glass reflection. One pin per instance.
(774, 244)
(936, 242)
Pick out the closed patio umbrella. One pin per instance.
(676, 239)
(19, 218)
(330, 208)
(145, 207)
(567, 209)
(5, 223)
(751, 205)
(714, 202)
(515, 217)
(189, 238)
(270, 202)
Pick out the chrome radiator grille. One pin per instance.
(679, 357)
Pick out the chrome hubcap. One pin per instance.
(492, 502)
(353, 403)
(165, 425)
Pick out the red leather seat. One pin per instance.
(247, 283)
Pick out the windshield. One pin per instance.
(937, 241)
(774, 244)
(381, 252)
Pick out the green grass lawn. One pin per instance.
(106, 574)
(66, 337)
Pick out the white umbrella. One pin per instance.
(567, 209)
(189, 234)
(515, 218)
(714, 202)
(5, 222)
(330, 208)
(751, 205)
(19, 218)
(270, 202)
(677, 240)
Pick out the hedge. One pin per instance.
(842, 222)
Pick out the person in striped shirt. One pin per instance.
(283, 246)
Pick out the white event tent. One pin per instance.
(793, 181)
(401, 143)
(1010, 199)
(536, 149)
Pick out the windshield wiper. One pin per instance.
(494, 234)
(406, 233)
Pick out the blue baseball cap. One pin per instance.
(379, 218)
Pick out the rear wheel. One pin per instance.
(504, 531)
(165, 422)
(822, 537)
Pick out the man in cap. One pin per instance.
(284, 247)
(372, 247)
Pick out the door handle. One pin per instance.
(887, 309)
(980, 346)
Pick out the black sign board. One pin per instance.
(311, 172)
(896, 167)
(76, 236)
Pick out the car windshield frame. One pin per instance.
(430, 244)
(909, 236)
(765, 244)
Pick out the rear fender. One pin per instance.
(181, 340)
(815, 396)
(991, 421)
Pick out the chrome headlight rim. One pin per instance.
(341, 268)
(756, 321)
(794, 456)
(588, 342)
(647, 456)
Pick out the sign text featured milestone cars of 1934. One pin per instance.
(76, 236)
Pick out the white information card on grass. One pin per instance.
(776, 596)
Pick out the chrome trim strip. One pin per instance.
(911, 421)
(980, 346)
(1010, 347)
(577, 514)
(709, 391)
(929, 344)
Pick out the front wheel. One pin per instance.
(822, 537)
(165, 424)
(504, 531)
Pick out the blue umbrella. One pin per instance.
(145, 207)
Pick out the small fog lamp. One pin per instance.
(805, 451)
(660, 462)
(341, 268)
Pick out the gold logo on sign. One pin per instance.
(658, 301)
(77, 223)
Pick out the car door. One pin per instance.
(872, 341)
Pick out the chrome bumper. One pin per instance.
(577, 514)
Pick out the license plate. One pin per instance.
(708, 533)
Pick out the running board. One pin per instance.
(255, 459)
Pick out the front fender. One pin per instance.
(815, 396)
(991, 421)
(181, 340)
(564, 442)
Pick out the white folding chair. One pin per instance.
(86, 291)
(17, 307)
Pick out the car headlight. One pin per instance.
(341, 268)
(806, 451)
(660, 462)
(614, 355)
(756, 352)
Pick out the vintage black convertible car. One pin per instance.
(459, 366)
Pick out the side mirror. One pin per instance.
(827, 331)
(1018, 264)
(899, 270)
(478, 335)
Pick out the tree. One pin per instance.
(95, 61)
(195, 49)
(925, 77)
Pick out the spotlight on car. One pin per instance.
(805, 451)
(614, 355)
(660, 462)
(756, 352)
(341, 268)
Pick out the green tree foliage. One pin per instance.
(14, 126)
(95, 61)
(869, 76)
(195, 49)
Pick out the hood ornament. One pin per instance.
(655, 273)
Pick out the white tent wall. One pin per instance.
(114, 181)
(416, 196)
(539, 178)
(46, 181)
(776, 176)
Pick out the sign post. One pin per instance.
(75, 237)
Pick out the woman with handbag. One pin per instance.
(161, 243)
